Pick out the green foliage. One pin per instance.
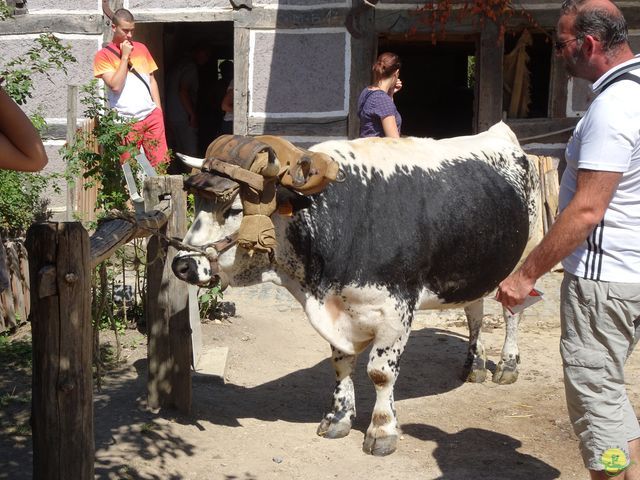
(46, 56)
(15, 354)
(208, 301)
(21, 201)
(5, 11)
(101, 168)
(7, 399)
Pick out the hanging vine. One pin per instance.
(437, 14)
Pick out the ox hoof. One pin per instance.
(475, 376)
(333, 429)
(475, 372)
(380, 446)
(506, 372)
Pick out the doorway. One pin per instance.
(178, 40)
(437, 96)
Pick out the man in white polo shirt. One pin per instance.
(597, 234)
(126, 67)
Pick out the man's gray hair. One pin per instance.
(122, 15)
(606, 24)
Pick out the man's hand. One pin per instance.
(126, 48)
(514, 289)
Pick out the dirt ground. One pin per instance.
(261, 422)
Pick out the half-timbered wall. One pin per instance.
(298, 68)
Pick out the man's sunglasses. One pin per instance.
(559, 46)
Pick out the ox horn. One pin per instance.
(192, 162)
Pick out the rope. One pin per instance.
(548, 134)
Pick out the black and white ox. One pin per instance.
(416, 224)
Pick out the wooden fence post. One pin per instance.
(72, 124)
(167, 306)
(62, 404)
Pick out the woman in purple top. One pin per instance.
(378, 114)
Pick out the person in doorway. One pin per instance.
(127, 68)
(226, 70)
(378, 114)
(182, 98)
(597, 237)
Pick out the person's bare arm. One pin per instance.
(593, 194)
(116, 80)
(155, 91)
(227, 101)
(20, 145)
(390, 127)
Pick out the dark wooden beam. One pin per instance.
(276, 18)
(186, 16)
(488, 95)
(66, 23)
(363, 52)
(316, 127)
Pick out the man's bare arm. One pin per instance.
(594, 192)
(155, 91)
(116, 80)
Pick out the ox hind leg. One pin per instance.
(475, 366)
(337, 422)
(507, 370)
(383, 369)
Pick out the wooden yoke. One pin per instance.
(254, 165)
(258, 164)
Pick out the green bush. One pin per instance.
(21, 201)
(103, 168)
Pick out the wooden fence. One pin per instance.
(14, 301)
(61, 258)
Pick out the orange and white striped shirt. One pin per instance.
(134, 101)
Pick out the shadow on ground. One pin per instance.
(431, 365)
(491, 455)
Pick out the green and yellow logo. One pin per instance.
(614, 461)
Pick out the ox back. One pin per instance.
(456, 230)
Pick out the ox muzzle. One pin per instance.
(201, 267)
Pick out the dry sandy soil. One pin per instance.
(261, 422)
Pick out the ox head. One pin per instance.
(233, 232)
(218, 258)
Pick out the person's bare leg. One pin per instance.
(632, 472)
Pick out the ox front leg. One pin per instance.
(383, 368)
(475, 366)
(337, 422)
(507, 370)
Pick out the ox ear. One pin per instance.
(192, 162)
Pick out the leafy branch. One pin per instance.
(46, 56)
(101, 166)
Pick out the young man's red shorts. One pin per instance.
(149, 133)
